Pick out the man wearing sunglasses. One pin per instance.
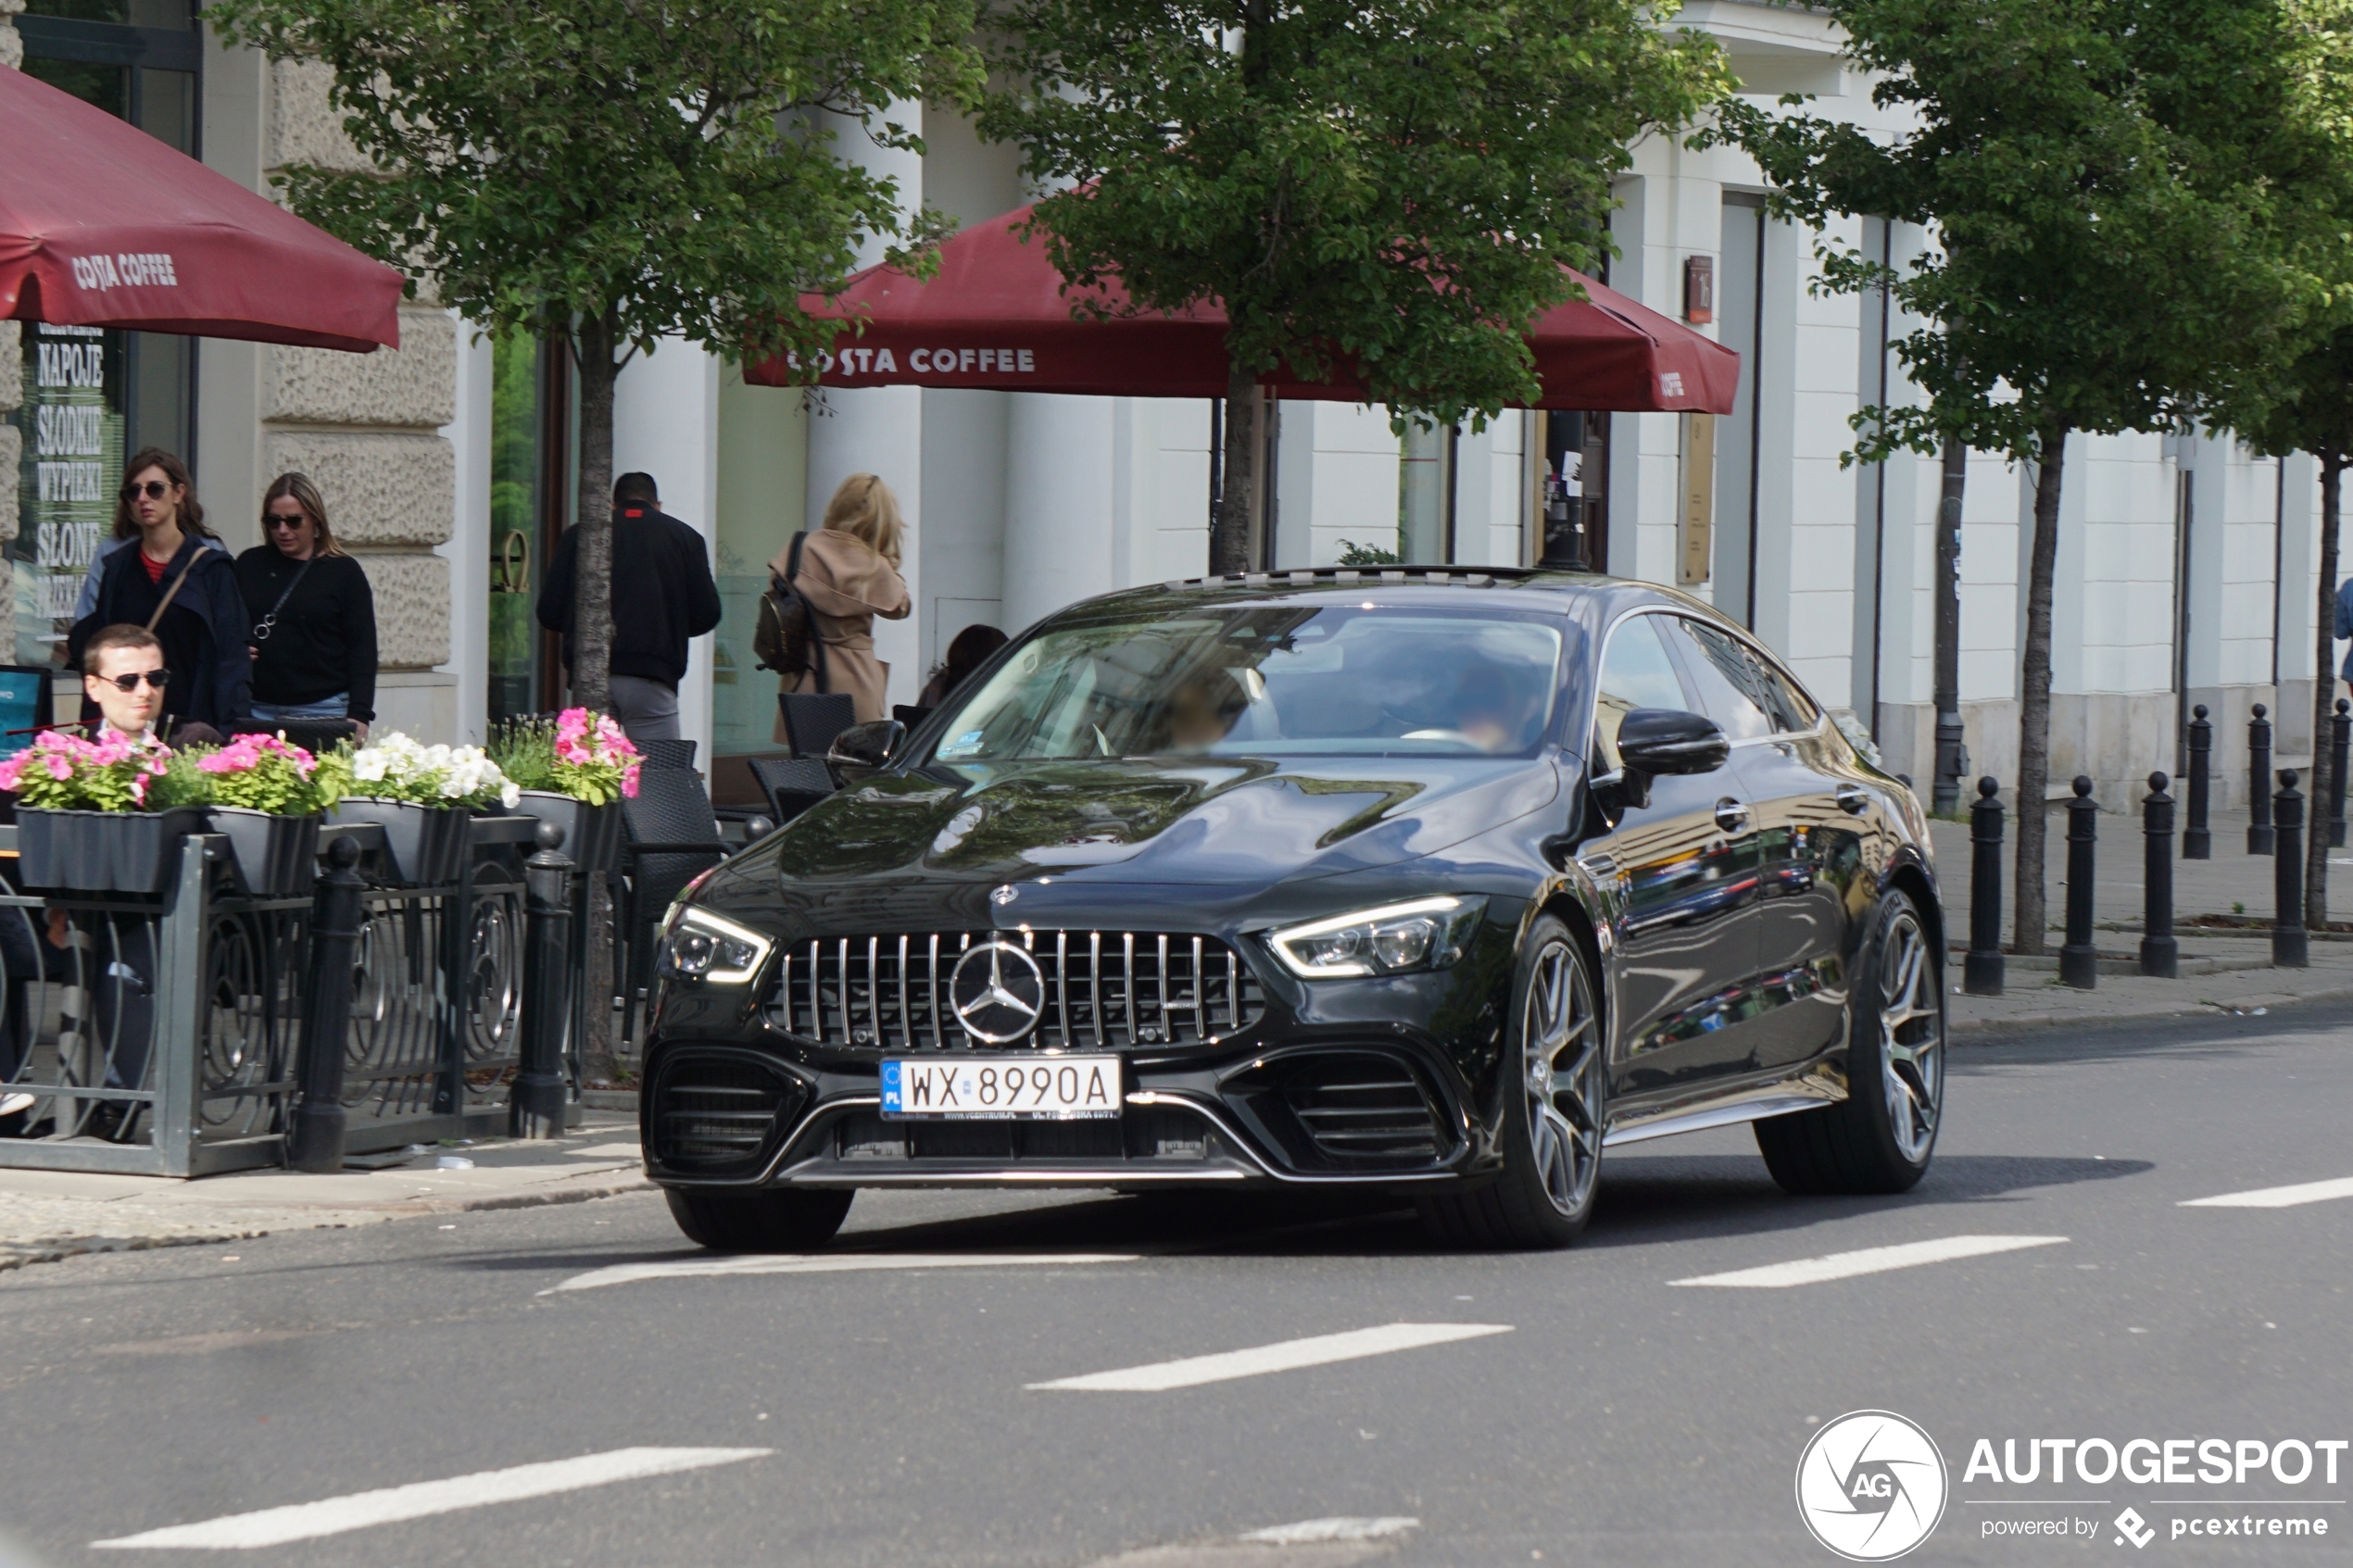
(124, 674)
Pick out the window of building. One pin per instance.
(530, 493)
(1426, 495)
(92, 396)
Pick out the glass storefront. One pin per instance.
(91, 396)
(763, 456)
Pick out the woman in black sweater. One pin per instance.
(313, 631)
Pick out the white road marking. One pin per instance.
(331, 1516)
(1869, 1260)
(608, 1151)
(1287, 1356)
(1309, 1530)
(2277, 1197)
(826, 1263)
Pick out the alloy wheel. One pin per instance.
(1912, 1027)
(1561, 1047)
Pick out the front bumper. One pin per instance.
(1311, 1111)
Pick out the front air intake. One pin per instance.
(1363, 1108)
(719, 1115)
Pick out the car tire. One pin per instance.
(1880, 1138)
(1558, 1079)
(760, 1221)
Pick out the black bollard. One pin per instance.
(2079, 960)
(2197, 843)
(536, 1101)
(1981, 972)
(2161, 955)
(314, 1139)
(2288, 941)
(2258, 784)
(2340, 742)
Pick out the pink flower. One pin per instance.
(59, 769)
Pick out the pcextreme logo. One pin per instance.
(1872, 1486)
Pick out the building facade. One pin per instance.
(2186, 570)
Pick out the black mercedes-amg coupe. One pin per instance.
(1442, 882)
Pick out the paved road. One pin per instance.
(1579, 1407)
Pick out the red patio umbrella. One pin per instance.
(101, 225)
(995, 314)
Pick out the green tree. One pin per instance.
(2112, 186)
(2313, 412)
(1392, 186)
(608, 172)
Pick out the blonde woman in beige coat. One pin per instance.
(850, 574)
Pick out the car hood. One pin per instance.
(1233, 822)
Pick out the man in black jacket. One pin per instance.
(662, 594)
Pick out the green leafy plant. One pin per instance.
(1391, 187)
(63, 773)
(2123, 194)
(580, 753)
(1367, 555)
(266, 773)
(397, 768)
(605, 173)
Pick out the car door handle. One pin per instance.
(1731, 816)
(1852, 799)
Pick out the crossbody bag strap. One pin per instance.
(268, 622)
(173, 592)
(816, 632)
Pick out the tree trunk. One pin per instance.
(1945, 790)
(2034, 710)
(596, 359)
(1237, 502)
(2316, 854)
(600, 367)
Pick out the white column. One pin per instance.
(1060, 514)
(665, 422)
(468, 548)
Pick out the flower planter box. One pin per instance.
(427, 846)
(103, 851)
(275, 857)
(592, 833)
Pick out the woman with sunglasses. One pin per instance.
(180, 584)
(311, 615)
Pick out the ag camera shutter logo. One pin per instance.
(1872, 1486)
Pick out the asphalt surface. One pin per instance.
(1608, 1416)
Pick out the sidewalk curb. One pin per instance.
(2171, 1010)
(56, 1250)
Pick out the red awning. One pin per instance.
(996, 316)
(101, 225)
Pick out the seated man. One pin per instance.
(123, 671)
(1202, 711)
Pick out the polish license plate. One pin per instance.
(1060, 1088)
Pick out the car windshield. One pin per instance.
(1268, 681)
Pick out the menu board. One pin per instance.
(72, 425)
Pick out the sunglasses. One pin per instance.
(154, 490)
(158, 679)
(274, 521)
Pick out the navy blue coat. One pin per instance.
(205, 632)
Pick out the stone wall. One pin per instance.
(366, 429)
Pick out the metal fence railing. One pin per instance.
(160, 1035)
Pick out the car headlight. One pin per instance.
(698, 945)
(1393, 939)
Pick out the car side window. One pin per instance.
(1636, 672)
(1731, 689)
(1792, 711)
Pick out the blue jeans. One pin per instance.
(335, 707)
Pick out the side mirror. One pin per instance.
(862, 749)
(1659, 740)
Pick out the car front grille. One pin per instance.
(1105, 990)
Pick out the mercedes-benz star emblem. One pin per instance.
(1000, 896)
(998, 992)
